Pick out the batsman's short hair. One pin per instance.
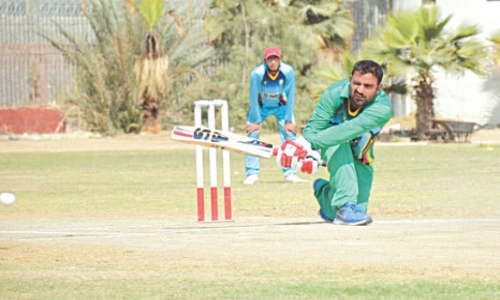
(369, 66)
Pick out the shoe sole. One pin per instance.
(360, 223)
(296, 181)
(248, 183)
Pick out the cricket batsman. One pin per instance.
(342, 130)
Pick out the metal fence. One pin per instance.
(32, 72)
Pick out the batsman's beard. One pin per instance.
(358, 99)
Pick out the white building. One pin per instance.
(468, 98)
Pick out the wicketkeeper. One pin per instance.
(342, 130)
(272, 93)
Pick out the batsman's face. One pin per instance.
(364, 88)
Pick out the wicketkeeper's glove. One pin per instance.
(298, 154)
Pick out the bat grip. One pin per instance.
(322, 163)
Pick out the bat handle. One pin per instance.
(322, 163)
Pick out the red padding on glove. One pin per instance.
(307, 166)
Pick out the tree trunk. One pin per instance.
(151, 77)
(151, 118)
(424, 98)
(247, 43)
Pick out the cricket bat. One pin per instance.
(207, 137)
(224, 140)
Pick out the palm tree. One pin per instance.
(414, 45)
(115, 69)
(151, 70)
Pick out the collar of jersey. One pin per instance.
(273, 77)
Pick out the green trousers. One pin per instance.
(350, 181)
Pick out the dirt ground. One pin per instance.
(451, 248)
(424, 248)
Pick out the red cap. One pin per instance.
(272, 51)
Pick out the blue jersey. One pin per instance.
(268, 92)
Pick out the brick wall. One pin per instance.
(31, 120)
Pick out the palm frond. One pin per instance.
(415, 44)
(152, 11)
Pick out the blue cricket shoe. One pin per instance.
(351, 214)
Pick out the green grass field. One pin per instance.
(412, 182)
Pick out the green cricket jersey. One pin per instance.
(322, 133)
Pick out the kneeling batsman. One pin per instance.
(299, 155)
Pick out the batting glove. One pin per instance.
(310, 163)
(298, 154)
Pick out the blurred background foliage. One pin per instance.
(208, 55)
(208, 52)
(309, 33)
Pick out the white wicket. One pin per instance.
(200, 189)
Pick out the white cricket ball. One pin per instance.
(7, 198)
